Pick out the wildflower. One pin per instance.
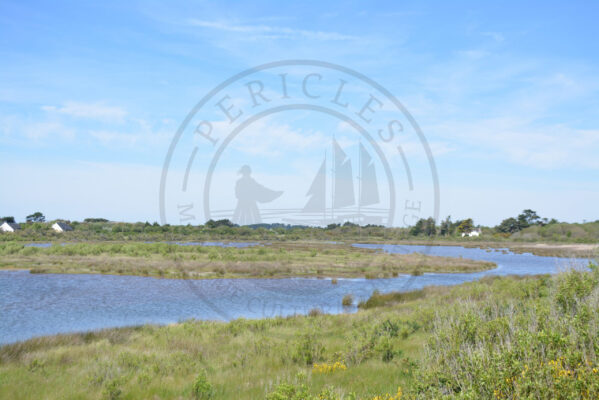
(326, 368)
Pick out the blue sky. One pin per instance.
(91, 94)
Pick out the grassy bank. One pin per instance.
(277, 260)
(501, 338)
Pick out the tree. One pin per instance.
(95, 220)
(430, 229)
(7, 219)
(221, 222)
(445, 229)
(466, 226)
(418, 227)
(528, 218)
(36, 217)
(508, 225)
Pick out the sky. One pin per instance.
(92, 94)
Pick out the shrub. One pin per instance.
(307, 350)
(522, 344)
(202, 389)
(315, 312)
(347, 300)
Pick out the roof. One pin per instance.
(13, 225)
(64, 226)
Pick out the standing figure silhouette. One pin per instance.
(249, 193)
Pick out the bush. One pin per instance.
(522, 344)
(347, 300)
(308, 350)
(202, 389)
(315, 312)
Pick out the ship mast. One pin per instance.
(333, 181)
(359, 180)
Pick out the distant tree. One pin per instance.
(528, 218)
(7, 219)
(332, 226)
(90, 220)
(466, 226)
(418, 228)
(36, 217)
(221, 222)
(430, 229)
(508, 225)
(445, 229)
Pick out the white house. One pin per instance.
(61, 227)
(474, 233)
(9, 227)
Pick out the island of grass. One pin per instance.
(276, 260)
(499, 338)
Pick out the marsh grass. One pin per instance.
(279, 260)
(501, 337)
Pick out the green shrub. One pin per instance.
(517, 344)
(307, 350)
(202, 389)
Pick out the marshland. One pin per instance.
(369, 315)
(501, 337)
(197, 261)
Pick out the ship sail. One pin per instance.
(343, 190)
(369, 191)
(317, 191)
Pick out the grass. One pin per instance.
(503, 338)
(279, 260)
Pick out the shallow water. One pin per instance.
(42, 304)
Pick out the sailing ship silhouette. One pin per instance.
(325, 205)
(342, 184)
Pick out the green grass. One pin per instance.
(279, 260)
(534, 337)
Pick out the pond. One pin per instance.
(43, 304)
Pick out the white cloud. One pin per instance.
(270, 138)
(96, 111)
(272, 32)
(15, 129)
(143, 136)
(520, 142)
(496, 36)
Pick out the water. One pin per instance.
(42, 304)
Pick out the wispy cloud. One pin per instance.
(496, 36)
(272, 32)
(549, 147)
(97, 111)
